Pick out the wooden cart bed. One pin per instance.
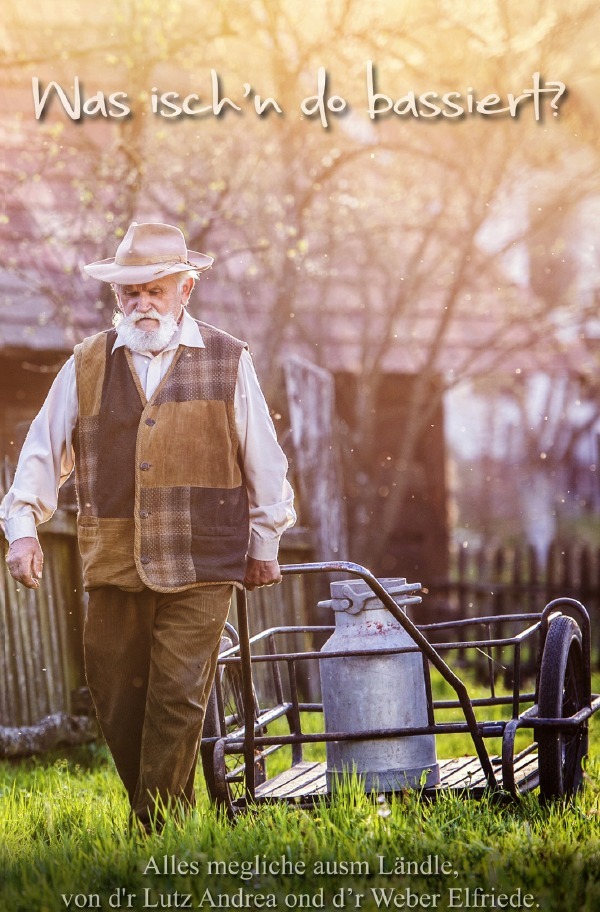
(305, 781)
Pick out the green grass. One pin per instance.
(63, 832)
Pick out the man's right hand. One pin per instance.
(25, 561)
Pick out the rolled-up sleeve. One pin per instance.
(270, 496)
(46, 460)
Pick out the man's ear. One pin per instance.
(118, 300)
(186, 290)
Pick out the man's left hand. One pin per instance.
(261, 573)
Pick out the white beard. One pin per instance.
(140, 340)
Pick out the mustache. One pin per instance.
(137, 315)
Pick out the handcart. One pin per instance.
(540, 721)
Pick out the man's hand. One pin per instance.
(25, 561)
(261, 573)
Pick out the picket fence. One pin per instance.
(41, 660)
(507, 580)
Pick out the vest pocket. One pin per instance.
(87, 525)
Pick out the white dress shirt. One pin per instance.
(47, 458)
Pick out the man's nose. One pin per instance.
(143, 304)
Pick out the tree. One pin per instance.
(377, 245)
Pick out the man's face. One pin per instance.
(151, 312)
(160, 297)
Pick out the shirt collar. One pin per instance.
(187, 333)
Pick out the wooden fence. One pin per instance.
(41, 661)
(41, 656)
(41, 632)
(503, 580)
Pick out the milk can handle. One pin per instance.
(344, 604)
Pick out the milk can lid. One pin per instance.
(355, 595)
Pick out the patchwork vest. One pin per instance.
(161, 493)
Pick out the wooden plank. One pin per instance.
(56, 609)
(466, 772)
(10, 715)
(525, 762)
(314, 783)
(15, 666)
(286, 777)
(287, 782)
(527, 772)
(458, 774)
(311, 402)
(35, 662)
(476, 778)
(49, 664)
(5, 679)
(25, 665)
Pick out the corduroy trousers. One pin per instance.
(150, 662)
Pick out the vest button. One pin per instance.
(144, 514)
(145, 560)
(150, 422)
(144, 466)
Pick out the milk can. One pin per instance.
(374, 692)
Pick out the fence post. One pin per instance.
(462, 586)
(551, 572)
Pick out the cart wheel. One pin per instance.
(223, 788)
(561, 694)
(211, 729)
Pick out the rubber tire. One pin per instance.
(560, 695)
(212, 729)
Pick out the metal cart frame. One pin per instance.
(235, 755)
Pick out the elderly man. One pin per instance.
(182, 495)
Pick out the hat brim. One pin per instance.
(110, 271)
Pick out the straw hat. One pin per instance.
(148, 251)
